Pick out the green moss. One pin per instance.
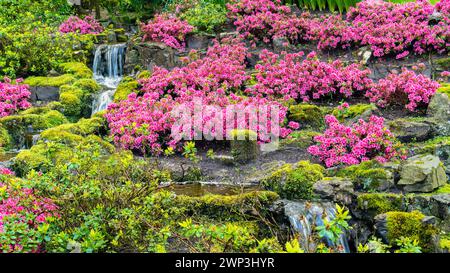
(352, 111)
(145, 74)
(444, 63)
(61, 137)
(444, 242)
(72, 104)
(445, 88)
(89, 86)
(294, 181)
(224, 206)
(127, 86)
(5, 138)
(244, 145)
(307, 115)
(369, 174)
(79, 70)
(431, 145)
(301, 139)
(33, 159)
(50, 81)
(378, 203)
(409, 224)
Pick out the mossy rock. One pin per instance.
(308, 115)
(295, 181)
(443, 64)
(445, 89)
(377, 203)
(127, 86)
(79, 70)
(33, 159)
(5, 139)
(144, 74)
(89, 86)
(244, 145)
(368, 175)
(354, 112)
(72, 104)
(301, 139)
(83, 127)
(410, 224)
(32, 120)
(50, 81)
(228, 207)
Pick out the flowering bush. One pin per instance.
(167, 29)
(443, 6)
(221, 70)
(74, 24)
(386, 27)
(349, 145)
(263, 20)
(13, 97)
(290, 77)
(407, 88)
(23, 216)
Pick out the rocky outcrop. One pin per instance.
(336, 189)
(439, 110)
(422, 173)
(148, 55)
(44, 93)
(411, 130)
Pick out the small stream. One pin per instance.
(108, 72)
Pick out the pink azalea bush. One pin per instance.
(291, 77)
(22, 215)
(264, 20)
(407, 88)
(74, 24)
(13, 97)
(388, 28)
(145, 122)
(350, 145)
(167, 29)
(443, 6)
(221, 70)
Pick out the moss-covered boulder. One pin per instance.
(372, 204)
(308, 115)
(295, 181)
(79, 70)
(244, 145)
(354, 112)
(300, 139)
(30, 121)
(50, 81)
(5, 139)
(127, 86)
(369, 175)
(393, 225)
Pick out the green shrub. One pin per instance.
(206, 16)
(294, 181)
(127, 86)
(308, 115)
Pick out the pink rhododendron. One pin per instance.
(308, 79)
(13, 97)
(21, 213)
(74, 24)
(168, 29)
(349, 145)
(407, 88)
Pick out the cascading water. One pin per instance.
(108, 72)
(305, 216)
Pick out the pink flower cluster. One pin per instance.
(291, 77)
(13, 97)
(145, 123)
(74, 24)
(443, 6)
(349, 145)
(168, 29)
(386, 27)
(263, 20)
(21, 213)
(407, 88)
(220, 71)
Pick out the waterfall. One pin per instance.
(305, 216)
(108, 72)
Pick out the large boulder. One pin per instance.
(408, 130)
(422, 173)
(44, 93)
(148, 55)
(335, 189)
